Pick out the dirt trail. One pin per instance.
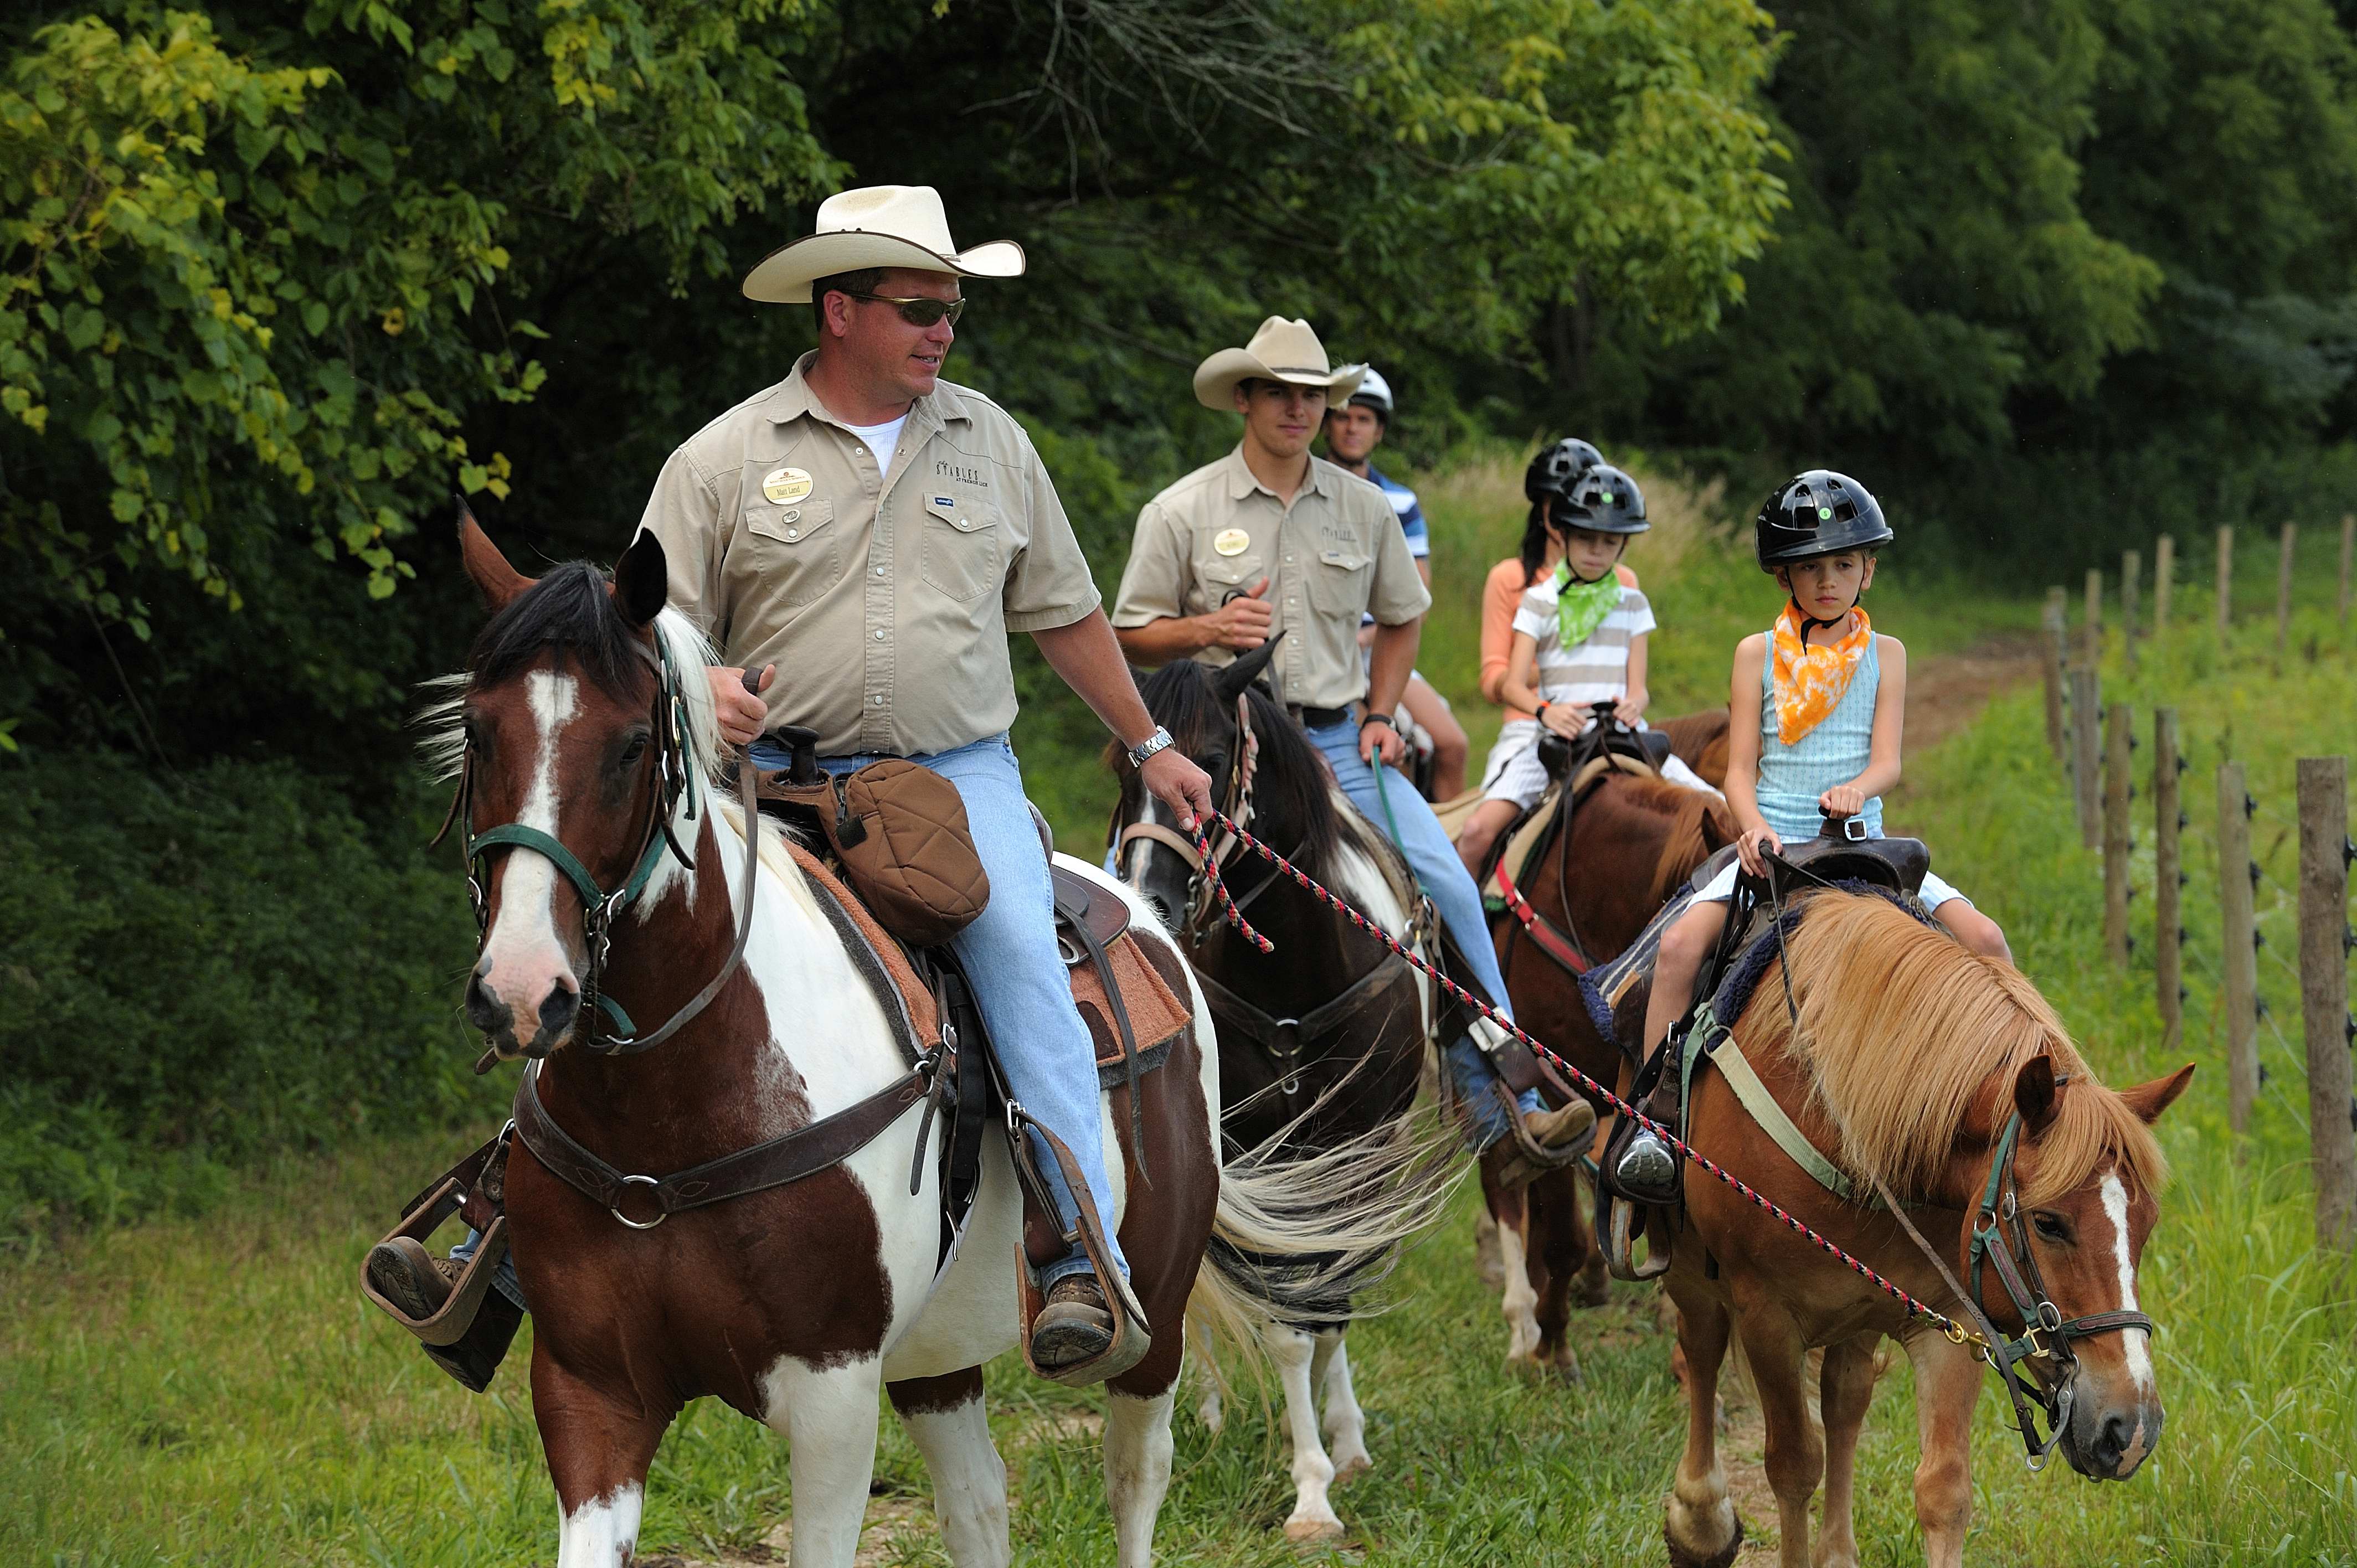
(1947, 692)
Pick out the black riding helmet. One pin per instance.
(1552, 472)
(1603, 500)
(1819, 513)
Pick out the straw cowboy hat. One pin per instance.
(1281, 351)
(876, 226)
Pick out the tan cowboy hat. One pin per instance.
(1281, 351)
(876, 226)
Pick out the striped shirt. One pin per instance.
(1596, 670)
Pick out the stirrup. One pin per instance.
(449, 1323)
(1130, 1338)
(1620, 1243)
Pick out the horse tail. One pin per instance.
(1301, 1237)
(1691, 826)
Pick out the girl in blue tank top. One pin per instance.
(1819, 701)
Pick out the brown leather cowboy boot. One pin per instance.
(1074, 1326)
(1545, 1141)
(418, 1283)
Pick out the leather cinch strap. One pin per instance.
(804, 1151)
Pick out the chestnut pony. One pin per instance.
(1633, 841)
(1946, 1077)
(797, 1303)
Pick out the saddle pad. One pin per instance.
(916, 998)
(1157, 1012)
(1528, 835)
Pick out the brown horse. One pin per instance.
(1633, 841)
(1946, 1077)
(585, 728)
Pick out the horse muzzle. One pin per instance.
(548, 1007)
(2106, 1438)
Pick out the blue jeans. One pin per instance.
(1443, 877)
(1019, 980)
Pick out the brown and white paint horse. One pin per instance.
(1632, 843)
(1910, 1056)
(795, 1304)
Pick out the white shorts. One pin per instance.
(1721, 888)
(1516, 775)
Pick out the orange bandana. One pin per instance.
(1810, 681)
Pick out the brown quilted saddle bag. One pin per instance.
(899, 830)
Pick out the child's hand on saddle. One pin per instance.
(1842, 800)
(740, 713)
(1565, 720)
(1631, 708)
(1755, 845)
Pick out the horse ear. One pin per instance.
(641, 579)
(2036, 1093)
(497, 582)
(1231, 681)
(2149, 1099)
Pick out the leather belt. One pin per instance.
(1318, 718)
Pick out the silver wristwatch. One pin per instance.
(1158, 741)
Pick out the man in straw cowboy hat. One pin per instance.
(1271, 542)
(875, 533)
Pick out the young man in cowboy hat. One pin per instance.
(1353, 431)
(875, 533)
(1271, 541)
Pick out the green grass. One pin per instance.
(210, 1390)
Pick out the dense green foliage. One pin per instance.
(201, 971)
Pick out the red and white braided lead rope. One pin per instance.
(1955, 1331)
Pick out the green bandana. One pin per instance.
(1580, 607)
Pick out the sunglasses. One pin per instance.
(918, 312)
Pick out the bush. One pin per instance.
(197, 972)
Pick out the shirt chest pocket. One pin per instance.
(1219, 578)
(964, 550)
(1339, 580)
(796, 549)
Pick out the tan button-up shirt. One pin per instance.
(884, 599)
(1334, 551)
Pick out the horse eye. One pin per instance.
(2051, 1227)
(633, 752)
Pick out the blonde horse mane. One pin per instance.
(1901, 1028)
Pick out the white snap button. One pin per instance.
(879, 634)
(793, 533)
(878, 698)
(880, 571)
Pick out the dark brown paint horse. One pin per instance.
(798, 1304)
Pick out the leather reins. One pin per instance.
(676, 779)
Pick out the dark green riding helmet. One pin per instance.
(1556, 467)
(1819, 513)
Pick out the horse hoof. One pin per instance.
(1725, 1556)
(1351, 1469)
(1309, 1532)
(1565, 1368)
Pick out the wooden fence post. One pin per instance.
(2324, 992)
(2348, 549)
(2117, 742)
(2087, 753)
(2093, 654)
(2225, 579)
(2131, 569)
(2167, 879)
(2164, 574)
(2238, 949)
(2058, 605)
(2282, 594)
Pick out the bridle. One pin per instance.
(2000, 1240)
(675, 777)
(1235, 812)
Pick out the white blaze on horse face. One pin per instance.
(525, 958)
(602, 1532)
(2134, 1343)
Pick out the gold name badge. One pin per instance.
(1231, 541)
(783, 485)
